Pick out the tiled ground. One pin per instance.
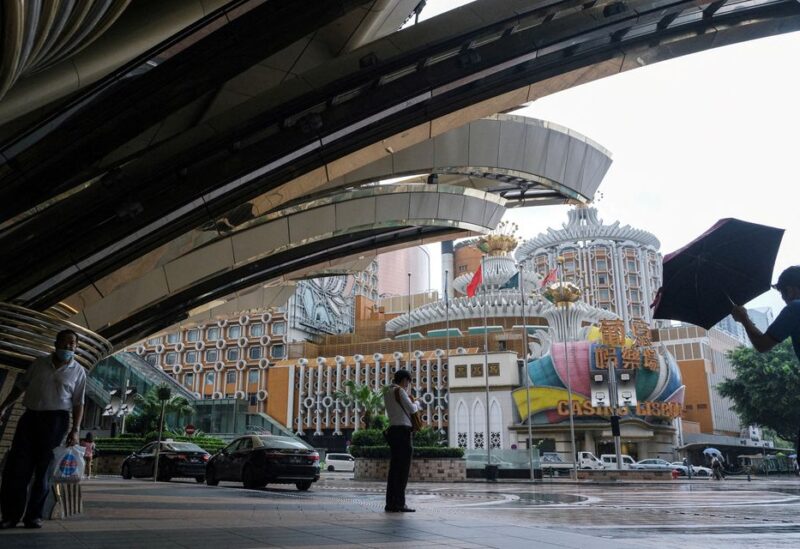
(339, 512)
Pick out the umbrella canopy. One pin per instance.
(730, 263)
(712, 452)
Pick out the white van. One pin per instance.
(610, 461)
(587, 460)
(340, 462)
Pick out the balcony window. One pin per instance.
(213, 334)
(254, 353)
(278, 351)
(278, 328)
(171, 358)
(193, 335)
(256, 330)
(232, 354)
(234, 332)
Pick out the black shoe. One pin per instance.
(6, 524)
(405, 509)
(391, 509)
(35, 523)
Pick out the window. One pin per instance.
(191, 357)
(601, 265)
(569, 266)
(254, 353)
(252, 376)
(631, 264)
(232, 354)
(210, 378)
(702, 406)
(234, 332)
(252, 398)
(193, 335)
(174, 337)
(462, 268)
(230, 377)
(188, 380)
(212, 355)
(602, 280)
(278, 351)
(153, 341)
(635, 295)
(256, 330)
(151, 358)
(213, 334)
(171, 358)
(278, 328)
(603, 295)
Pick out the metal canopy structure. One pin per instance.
(214, 126)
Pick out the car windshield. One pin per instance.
(283, 443)
(182, 447)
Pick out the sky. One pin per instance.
(693, 140)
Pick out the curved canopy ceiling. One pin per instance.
(216, 118)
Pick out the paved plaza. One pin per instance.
(339, 512)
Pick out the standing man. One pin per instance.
(399, 408)
(788, 322)
(54, 385)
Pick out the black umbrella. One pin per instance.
(730, 263)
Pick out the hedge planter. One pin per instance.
(422, 469)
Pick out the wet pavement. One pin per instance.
(340, 512)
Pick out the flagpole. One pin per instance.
(486, 367)
(447, 315)
(408, 363)
(525, 368)
(574, 473)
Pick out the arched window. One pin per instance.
(462, 425)
(478, 426)
(495, 425)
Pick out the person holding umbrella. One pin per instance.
(788, 322)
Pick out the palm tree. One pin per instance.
(148, 409)
(367, 400)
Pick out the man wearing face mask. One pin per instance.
(53, 385)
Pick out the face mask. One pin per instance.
(64, 354)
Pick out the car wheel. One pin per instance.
(250, 479)
(330, 468)
(211, 478)
(200, 480)
(303, 485)
(126, 472)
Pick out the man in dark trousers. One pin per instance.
(399, 408)
(54, 385)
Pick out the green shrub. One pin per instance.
(383, 452)
(428, 436)
(131, 444)
(368, 437)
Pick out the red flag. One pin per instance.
(551, 277)
(477, 278)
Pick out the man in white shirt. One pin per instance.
(399, 408)
(54, 386)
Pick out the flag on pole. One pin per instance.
(551, 277)
(512, 284)
(476, 281)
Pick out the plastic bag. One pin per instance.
(69, 464)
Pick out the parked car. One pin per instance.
(655, 464)
(340, 462)
(258, 460)
(176, 459)
(697, 470)
(587, 460)
(610, 461)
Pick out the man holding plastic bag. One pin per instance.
(53, 385)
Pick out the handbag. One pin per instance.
(416, 417)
